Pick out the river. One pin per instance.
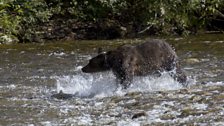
(32, 75)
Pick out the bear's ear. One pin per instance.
(100, 50)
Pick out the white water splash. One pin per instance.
(104, 84)
(87, 85)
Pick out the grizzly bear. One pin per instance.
(149, 58)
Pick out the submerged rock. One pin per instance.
(62, 95)
(137, 115)
(192, 60)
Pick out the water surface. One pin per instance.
(31, 73)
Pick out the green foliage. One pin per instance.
(23, 18)
(169, 16)
(8, 21)
(19, 17)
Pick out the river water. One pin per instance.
(32, 75)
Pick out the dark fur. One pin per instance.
(151, 57)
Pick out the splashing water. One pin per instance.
(104, 84)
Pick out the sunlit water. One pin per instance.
(30, 74)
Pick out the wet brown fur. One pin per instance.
(151, 57)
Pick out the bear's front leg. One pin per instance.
(126, 81)
(123, 77)
(179, 76)
(127, 75)
(128, 70)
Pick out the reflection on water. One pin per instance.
(31, 73)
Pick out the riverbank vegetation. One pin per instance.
(44, 20)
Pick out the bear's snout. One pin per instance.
(85, 69)
(89, 69)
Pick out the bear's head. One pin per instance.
(97, 64)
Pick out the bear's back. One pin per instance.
(155, 55)
(155, 49)
(144, 58)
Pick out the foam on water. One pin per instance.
(104, 84)
(87, 85)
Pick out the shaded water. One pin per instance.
(31, 73)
